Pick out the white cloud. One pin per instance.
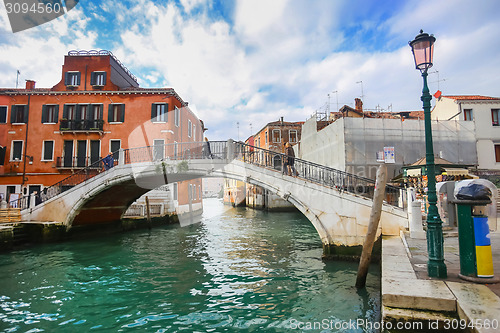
(272, 59)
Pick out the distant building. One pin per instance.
(484, 113)
(97, 108)
(273, 136)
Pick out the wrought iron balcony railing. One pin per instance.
(81, 125)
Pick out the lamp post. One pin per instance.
(422, 48)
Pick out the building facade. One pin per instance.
(97, 108)
(272, 137)
(484, 113)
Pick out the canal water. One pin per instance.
(239, 270)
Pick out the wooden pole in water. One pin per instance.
(147, 212)
(378, 198)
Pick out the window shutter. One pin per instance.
(44, 114)
(110, 113)
(78, 78)
(104, 78)
(56, 113)
(65, 111)
(166, 112)
(100, 112)
(12, 114)
(3, 114)
(92, 78)
(122, 113)
(2, 155)
(26, 114)
(78, 112)
(67, 79)
(153, 112)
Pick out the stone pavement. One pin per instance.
(408, 294)
(418, 258)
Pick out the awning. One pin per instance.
(413, 172)
(456, 172)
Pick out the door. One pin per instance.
(81, 153)
(68, 154)
(159, 150)
(95, 151)
(31, 189)
(115, 147)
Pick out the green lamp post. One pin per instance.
(422, 48)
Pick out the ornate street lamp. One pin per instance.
(422, 47)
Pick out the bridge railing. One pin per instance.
(172, 151)
(313, 172)
(176, 151)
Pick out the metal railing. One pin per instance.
(172, 151)
(313, 172)
(73, 162)
(95, 125)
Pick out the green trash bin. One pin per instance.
(466, 237)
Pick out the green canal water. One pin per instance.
(239, 270)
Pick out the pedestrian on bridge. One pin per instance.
(290, 160)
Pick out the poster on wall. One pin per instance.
(389, 155)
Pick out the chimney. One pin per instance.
(359, 104)
(30, 85)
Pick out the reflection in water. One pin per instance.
(237, 270)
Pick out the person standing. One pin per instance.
(290, 160)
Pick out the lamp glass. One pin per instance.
(423, 49)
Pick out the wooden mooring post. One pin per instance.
(147, 213)
(378, 198)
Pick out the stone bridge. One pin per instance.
(337, 204)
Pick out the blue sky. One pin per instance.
(253, 61)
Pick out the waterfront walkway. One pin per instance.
(409, 294)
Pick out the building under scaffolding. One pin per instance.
(359, 145)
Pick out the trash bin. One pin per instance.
(476, 262)
(468, 237)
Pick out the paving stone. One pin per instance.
(477, 303)
(418, 294)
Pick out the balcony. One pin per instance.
(83, 125)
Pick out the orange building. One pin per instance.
(97, 108)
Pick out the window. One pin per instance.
(194, 132)
(276, 135)
(16, 151)
(82, 111)
(50, 114)
(72, 79)
(293, 136)
(497, 153)
(96, 111)
(48, 151)
(19, 114)
(494, 117)
(177, 116)
(3, 114)
(266, 137)
(175, 191)
(190, 129)
(69, 112)
(116, 113)
(468, 114)
(98, 79)
(159, 112)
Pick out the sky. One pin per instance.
(241, 64)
